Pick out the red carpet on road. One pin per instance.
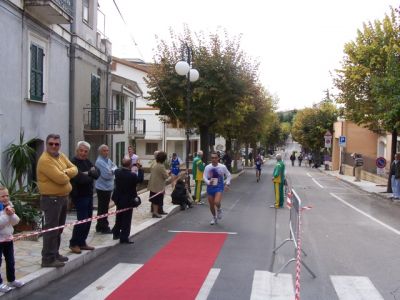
(177, 271)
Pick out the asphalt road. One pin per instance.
(347, 232)
(246, 212)
(350, 237)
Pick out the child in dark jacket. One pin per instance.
(179, 195)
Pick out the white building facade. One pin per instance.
(159, 134)
(34, 84)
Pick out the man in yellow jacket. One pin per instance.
(54, 171)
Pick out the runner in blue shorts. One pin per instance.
(258, 167)
(214, 178)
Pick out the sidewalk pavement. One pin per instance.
(28, 253)
(367, 186)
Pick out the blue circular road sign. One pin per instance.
(380, 162)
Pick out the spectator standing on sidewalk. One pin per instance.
(104, 187)
(158, 180)
(153, 162)
(258, 163)
(82, 196)
(310, 159)
(292, 158)
(175, 167)
(358, 165)
(134, 158)
(197, 172)
(8, 219)
(123, 195)
(278, 179)
(306, 159)
(300, 159)
(214, 178)
(395, 177)
(227, 160)
(54, 172)
(250, 158)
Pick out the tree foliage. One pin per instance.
(287, 116)
(369, 80)
(311, 124)
(227, 99)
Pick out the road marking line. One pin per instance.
(309, 175)
(190, 231)
(267, 286)
(107, 283)
(355, 288)
(335, 187)
(208, 284)
(317, 183)
(365, 214)
(351, 193)
(234, 204)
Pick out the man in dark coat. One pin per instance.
(123, 195)
(82, 196)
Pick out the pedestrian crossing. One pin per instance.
(265, 285)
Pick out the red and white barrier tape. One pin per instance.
(298, 259)
(23, 236)
(289, 200)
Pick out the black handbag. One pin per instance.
(136, 201)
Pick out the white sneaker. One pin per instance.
(219, 213)
(4, 288)
(16, 283)
(214, 221)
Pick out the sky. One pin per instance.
(299, 44)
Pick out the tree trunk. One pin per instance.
(392, 153)
(228, 145)
(204, 142)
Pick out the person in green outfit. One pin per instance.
(197, 172)
(279, 182)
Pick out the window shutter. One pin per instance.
(36, 80)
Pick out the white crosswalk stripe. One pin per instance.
(107, 283)
(267, 286)
(355, 288)
(208, 284)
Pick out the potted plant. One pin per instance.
(24, 197)
(29, 216)
(20, 157)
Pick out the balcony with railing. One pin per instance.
(98, 121)
(179, 133)
(137, 128)
(52, 11)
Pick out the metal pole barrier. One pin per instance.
(294, 232)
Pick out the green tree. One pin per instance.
(369, 80)
(287, 116)
(227, 79)
(310, 125)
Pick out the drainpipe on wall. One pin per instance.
(72, 53)
(108, 104)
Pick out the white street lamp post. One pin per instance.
(183, 68)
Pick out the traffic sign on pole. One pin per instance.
(380, 162)
(328, 139)
(342, 141)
